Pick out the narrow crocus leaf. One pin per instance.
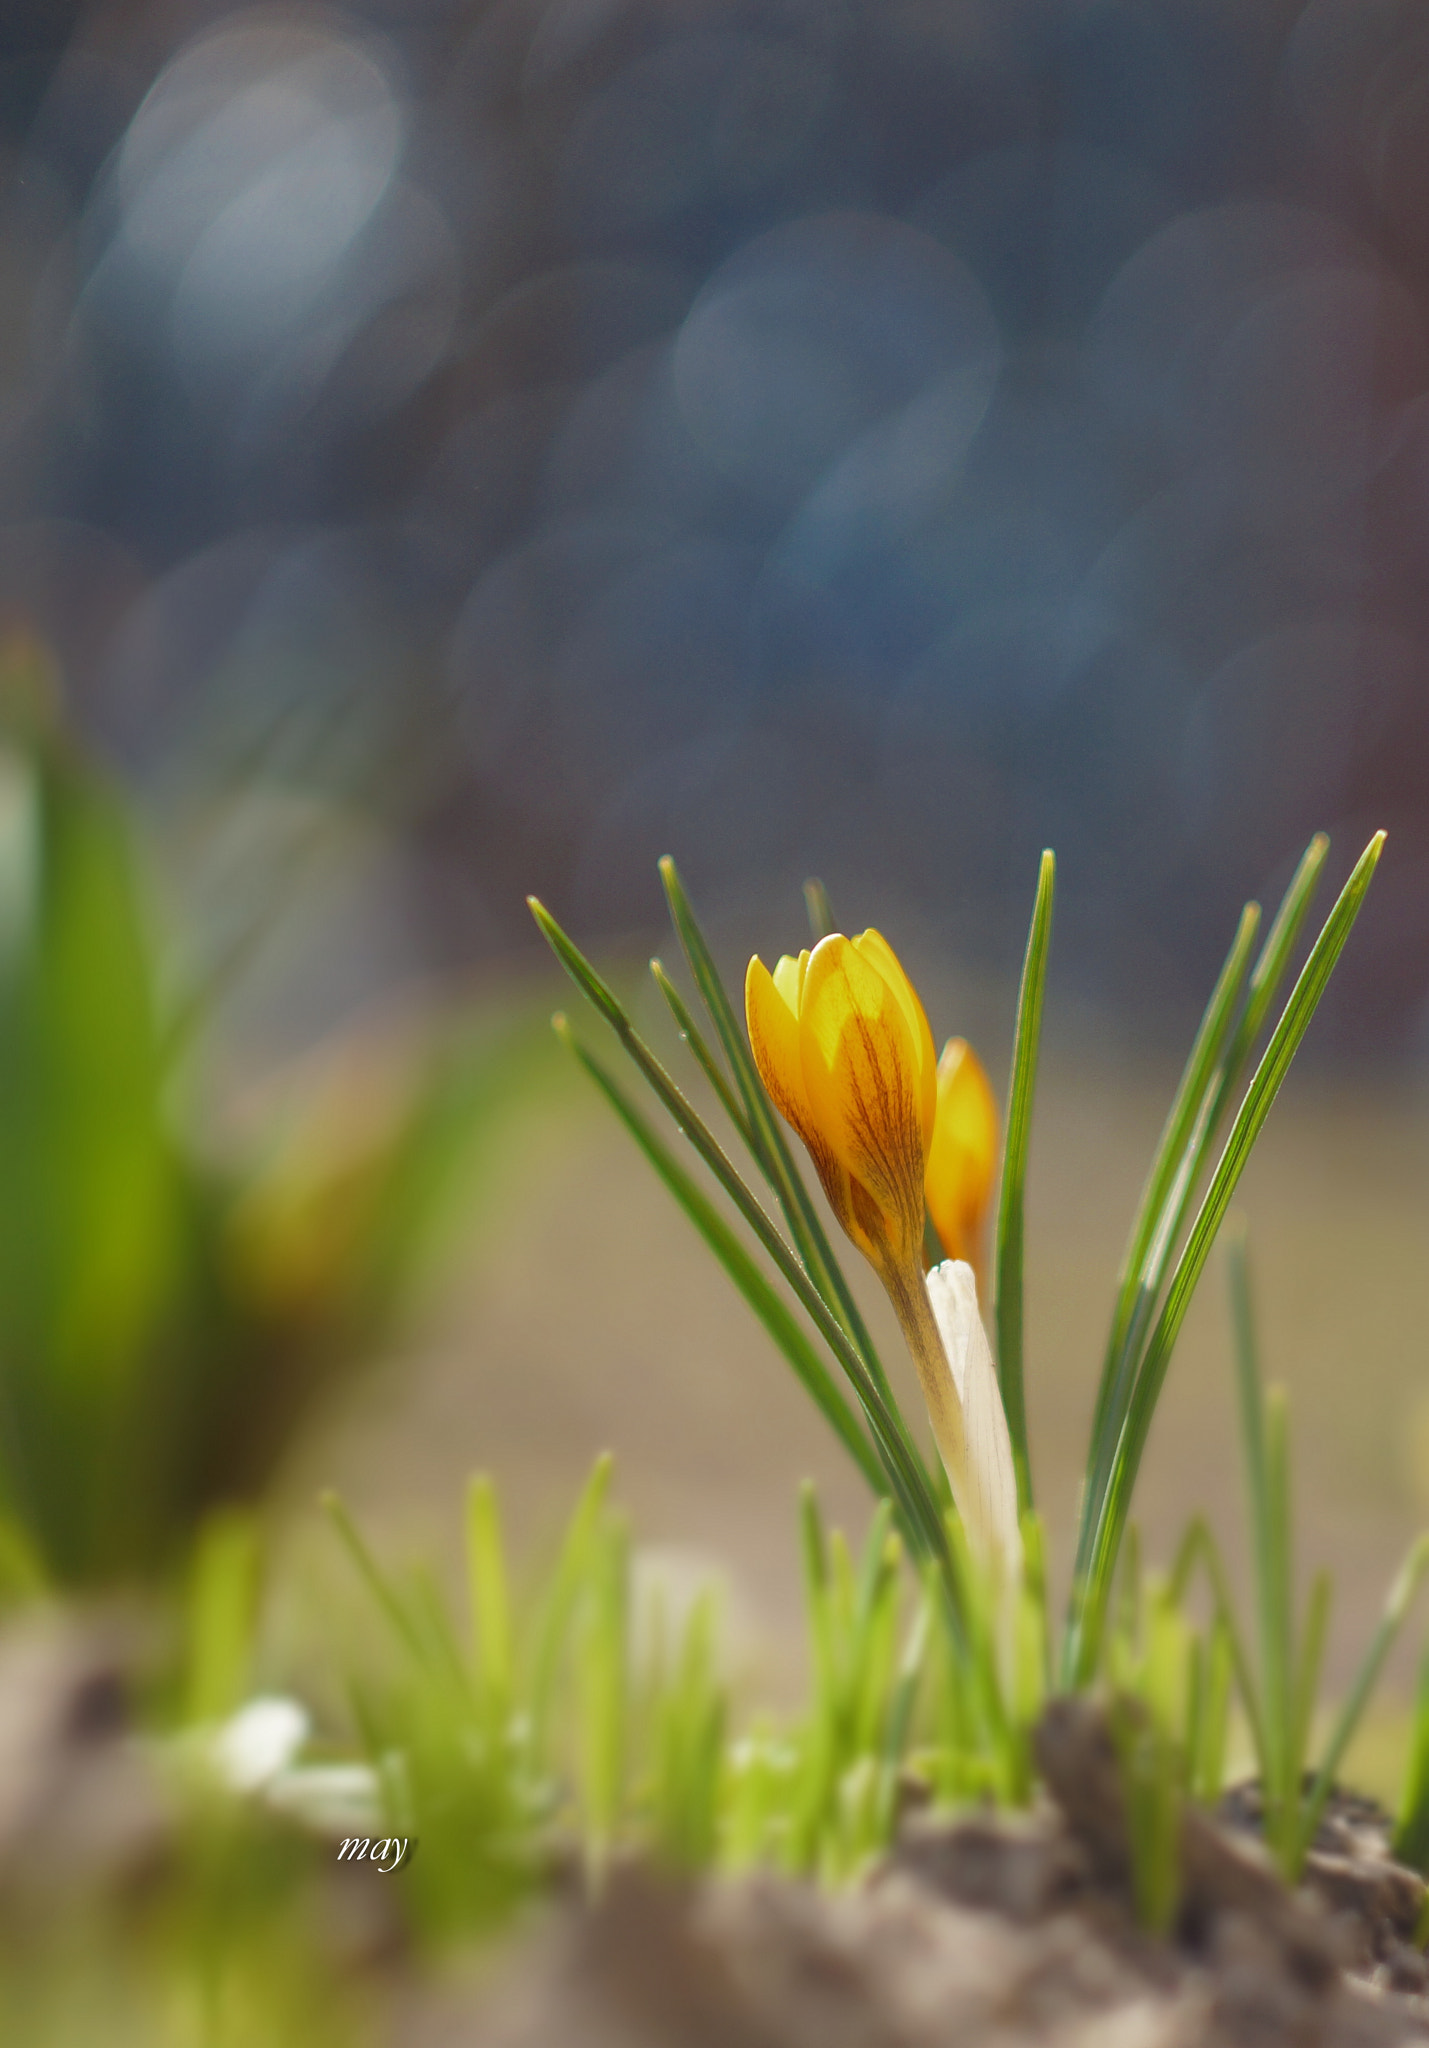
(1089, 1590)
(985, 1489)
(1279, 944)
(699, 1046)
(1199, 1543)
(741, 1268)
(579, 1548)
(1212, 1035)
(1010, 1214)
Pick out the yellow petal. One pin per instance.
(770, 1010)
(962, 1159)
(773, 1024)
(863, 1082)
(789, 978)
(875, 949)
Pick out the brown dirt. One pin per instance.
(982, 1932)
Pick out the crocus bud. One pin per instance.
(962, 1159)
(843, 1047)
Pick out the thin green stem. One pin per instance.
(695, 1039)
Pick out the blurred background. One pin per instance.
(458, 447)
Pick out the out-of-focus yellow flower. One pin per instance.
(962, 1159)
(843, 1046)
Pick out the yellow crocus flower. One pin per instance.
(962, 1159)
(843, 1046)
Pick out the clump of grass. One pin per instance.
(551, 1734)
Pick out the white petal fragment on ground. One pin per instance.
(989, 1509)
(259, 1741)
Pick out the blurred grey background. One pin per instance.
(873, 436)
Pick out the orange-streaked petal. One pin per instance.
(962, 1159)
(773, 1025)
(863, 1083)
(875, 949)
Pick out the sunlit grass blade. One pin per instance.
(1111, 1511)
(373, 1577)
(1212, 1034)
(1200, 1545)
(1264, 1439)
(1276, 1595)
(695, 1039)
(742, 1270)
(1274, 958)
(1396, 1607)
(1250, 1395)
(764, 1136)
(906, 1472)
(602, 1692)
(572, 1570)
(1208, 1757)
(1011, 1203)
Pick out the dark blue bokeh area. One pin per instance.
(879, 436)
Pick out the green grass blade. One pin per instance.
(601, 1669)
(766, 1139)
(1212, 1035)
(1411, 1835)
(573, 1569)
(1201, 1544)
(1089, 1590)
(1208, 1765)
(699, 1046)
(1275, 954)
(1010, 1209)
(1250, 1399)
(372, 1576)
(770, 1308)
(1401, 1593)
(1277, 1618)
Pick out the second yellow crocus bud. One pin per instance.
(962, 1159)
